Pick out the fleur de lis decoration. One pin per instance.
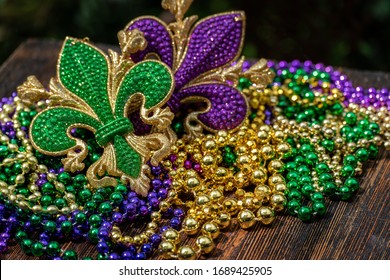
(97, 92)
(204, 59)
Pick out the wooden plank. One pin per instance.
(358, 229)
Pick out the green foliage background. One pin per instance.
(349, 33)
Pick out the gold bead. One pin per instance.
(152, 225)
(246, 218)
(280, 187)
(208, 160)
(127, 240)
(166, 249)
(267, 152)
(193, 182)
(262, 192)
(277, 201)
(19, 179)
(190, 225)
(220, 173)
(230, 205)
(275, 165)
(243, 159)
(171, 235)
(276, 179)
(202, 199)
(186, 253)
(155, 216)
(259, 176)
(42, 168)
(210, 145)
(164, 206)
(216, 195)
(265, 215)
(205, 244)
(283, 148)
(224, 220)
(212, 229)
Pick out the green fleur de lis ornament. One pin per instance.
(97, 92)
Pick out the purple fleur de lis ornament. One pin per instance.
(203, 58)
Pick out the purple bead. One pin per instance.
(147, 249)
(162, 193)
(102, 247)
(175, 223)
(155, 240)
(143, 210)
(117, 217)
(156, 183)
(156, 170)
(167, 183)
(188, 164)
(179, 213)
(103, 233)
(140, 256)
(113, 256)
(4, 236)
(127, 255)
(197, 167)
(107, 225)
(3, 247)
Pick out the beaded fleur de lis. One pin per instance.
(204, 61)
(97, 92)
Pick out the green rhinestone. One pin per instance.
(373, 151)
(352, 184)
(305, 213)
(93, 235)
(330, 189)
(350, 160)
(321, 168)
(50, 226)
(243, 83)
(35, 220)
(319, 208)
(105, 208)
(116, 198)
(53, 248)
(48, 188)
(26, 245)
(69, 255)
(46, 200)
(347, 171)
(95, 220)
(374, 127)
(293, 206)
(294, 195)
(317, 197)
(229, 158)
(350, 118)
(80, 218)
(345, 193)
(64, 178)
(37, 249)
(311, 159)
(362, 154)
(66, 227)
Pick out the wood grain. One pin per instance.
(357, 229)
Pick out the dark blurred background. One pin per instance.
(348, 33)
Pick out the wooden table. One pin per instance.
(357, 229)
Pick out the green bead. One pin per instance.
(319, 208)
(305, 213)
(116, 198)
(69, 255)
(90, 205)
(37, 249)
(345, 193)
(352, 184)
(70, 189)
(350, 118)
(26, 245)
(374, 128)
(309, 95)
(337, 109)
(363, 123)
(3, 151)
(311, 159)
(53, 248)
(46, 200)
(85, 195)
(80, 218)
(294, 195)
(330, 189)
(350, 160)
(50, 226)
(97, 197)
(358, 131)
(20, 235)
(303, 170)
(301, 117)
(293, 206)
(48, 188)
(105, 208)
(93, 235)
(293, 176)
(121, 189)
(35, 220)
(299, 160)
(351, 137)
(293, 185)
(290, 166)
(243, 83)
(305, 148)
(317, 197)
(64, 178)
(95, 220)
(362, 154)
(60, 203)
(325, 178)
(368, 134)
(347, 171)
(307, 190)
(102, 257)
(305, 179)
(345, 129)
(66, 227)
(328, 144)
(229, 158)
(80, 180)
(373, 151)
(87, 259)
(321, 168)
